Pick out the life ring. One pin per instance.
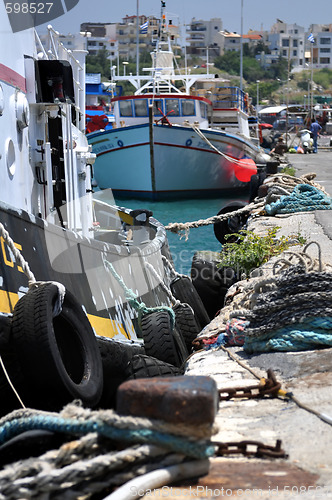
(186, 323)
(189, 142)
(161, 341)
(231, 225)
(143, 366)
(58, 352)
(120, 143)
(183, 289)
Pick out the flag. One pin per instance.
(143, 29)
(311, 38)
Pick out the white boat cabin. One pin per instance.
(168, 109)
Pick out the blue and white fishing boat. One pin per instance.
(163, 145)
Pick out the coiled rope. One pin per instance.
(93, 462)
(302, 199)
(290, 312)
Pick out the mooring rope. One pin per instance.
(177, 227)
(93, 461)
(141, 308)
(227, 157)
(278, 185)
(17, 254)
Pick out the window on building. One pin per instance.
(126, 108)
(295, 43)
(284, 53)
(296, 32)
(294, 53)
(325, 41)
(285, 42)
(141, 107)
(325, 50)
(324, 60)
(172, 107)
(188, 107)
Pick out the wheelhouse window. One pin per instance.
(203, 108)
(172, 107)
(126, 108)
(141, 107)
(188, 107)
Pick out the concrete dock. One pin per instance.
(305, 437)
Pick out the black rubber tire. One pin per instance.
(232, 224)
(161, 341)
(186, 323)
(59, 355)
(143, 366)
(115, 356)
(183, 289)
(8, 399)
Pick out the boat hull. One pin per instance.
(170, 162)
(55, 254)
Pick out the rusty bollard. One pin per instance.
(186, 399)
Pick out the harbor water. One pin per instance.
(201, 238)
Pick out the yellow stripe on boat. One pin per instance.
(8, 301)
(105, 327)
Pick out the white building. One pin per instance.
(202, 35)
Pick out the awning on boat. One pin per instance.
(271, 110)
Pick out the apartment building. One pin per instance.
(202, 35)
(322, 46)
(289, 42)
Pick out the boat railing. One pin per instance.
(225, 97)
(53, 48)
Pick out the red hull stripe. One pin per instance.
(10, 76)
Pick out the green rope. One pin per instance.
(73, 426)
(132, 299)
(307, 335)
(303, 198)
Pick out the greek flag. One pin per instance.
(311, 38)
(143, 29)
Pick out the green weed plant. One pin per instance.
(250, 250)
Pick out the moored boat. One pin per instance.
(59, 245)
(163, 145)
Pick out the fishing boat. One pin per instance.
(162, 145)
(52, 229)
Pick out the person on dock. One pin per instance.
(280, 148)
(315, 129)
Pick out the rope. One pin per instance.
(162, 284)
(176, 227)
(302, 198)
(87, 465)
(289, 312)
(132, 298)
(227, 157)
(17, 254)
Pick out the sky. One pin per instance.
(257, 14)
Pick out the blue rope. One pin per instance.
(304, 197)
(311, 334)
(131, 297)
(69, 426)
